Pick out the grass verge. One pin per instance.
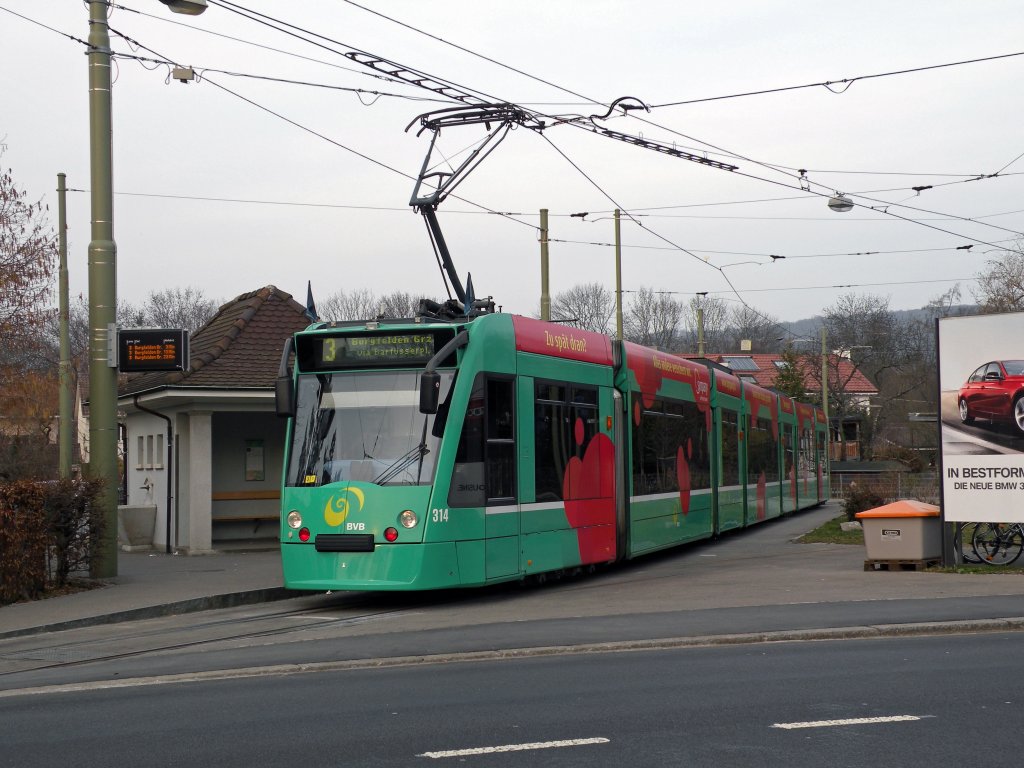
(831, 533)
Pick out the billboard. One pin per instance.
(981, 417)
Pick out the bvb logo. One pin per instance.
(336, 510)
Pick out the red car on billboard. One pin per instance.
(995, 391)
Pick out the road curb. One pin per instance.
(206, 603)
(1010, 624)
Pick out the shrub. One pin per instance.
(47, 531)
(861, 496)
(23, 541)
(74, 525)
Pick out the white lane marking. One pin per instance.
(513, 748)
(850, 721)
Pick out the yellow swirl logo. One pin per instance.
(337, 509)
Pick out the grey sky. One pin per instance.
(350, 225)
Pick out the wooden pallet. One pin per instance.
(901, 565)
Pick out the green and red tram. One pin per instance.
(431, 454)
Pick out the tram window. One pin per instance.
(762, 451)
(787, 448)
(557, 438)
(664, 428)
(584, 396)
(501, 453)
(499, 410)
(806, 457)
(730, 448)
(501, 474)
(467, 487)
(551, 392)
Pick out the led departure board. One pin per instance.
(397, 349)
(152, 349)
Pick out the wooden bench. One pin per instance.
(248, 517)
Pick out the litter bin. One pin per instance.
(905, 531)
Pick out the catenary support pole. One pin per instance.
(824, 375)
(618, 278)
(103, 431)
(65, 421)
(545, 294)
(700, 331)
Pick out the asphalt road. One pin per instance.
(896, 701)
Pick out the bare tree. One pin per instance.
(653, 319)
(1001, 284)
(187, 308)
(588, 306)
(399, 304)
(716, 315)
(864, 331)
(761, 330)
(358, 304)
(364, 304)
(28, 254)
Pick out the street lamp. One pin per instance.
(103, 432)
(187, 7)
(839, 202)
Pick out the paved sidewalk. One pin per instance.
(152, 584)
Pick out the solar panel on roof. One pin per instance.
(741, 363)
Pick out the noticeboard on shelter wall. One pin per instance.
(981, 416)
(152, 349)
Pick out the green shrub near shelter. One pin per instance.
(47, 533)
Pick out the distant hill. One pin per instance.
(810, 326)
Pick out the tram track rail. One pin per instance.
(76, 653)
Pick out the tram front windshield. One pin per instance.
(362, 426)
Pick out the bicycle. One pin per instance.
(998, 543)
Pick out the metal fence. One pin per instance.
(923, 486)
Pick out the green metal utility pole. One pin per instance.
(824, 375)
(545, 295)
(103, 432)
(102, 294)
(700, 329)
(65, 407)
(618, 278)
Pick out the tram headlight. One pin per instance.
(294, 519)
(408, 518)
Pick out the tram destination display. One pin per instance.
(405, 349)
(152, 349)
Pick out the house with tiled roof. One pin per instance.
(204, 445)
(843, 377)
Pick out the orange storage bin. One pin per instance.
(904, 530)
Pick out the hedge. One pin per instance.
(47, 532)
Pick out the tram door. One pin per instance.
(502, 511)
(571, 520)
(485, 470)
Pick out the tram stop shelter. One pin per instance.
(204, 447)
